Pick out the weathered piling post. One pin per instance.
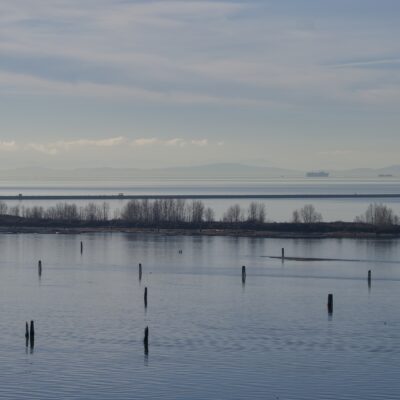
(32, 330)
(32, 334)
(81, 247)
(330, 303)
(146, 340)
(283, 254)
(40, 267)
(369, 278)
(243, 274)
(145, 297)
(140, 272)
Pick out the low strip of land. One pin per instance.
(12, 224)
(122, 196)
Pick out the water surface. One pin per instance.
(211, 337)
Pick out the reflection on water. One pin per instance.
(215, 333)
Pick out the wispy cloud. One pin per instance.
(54, 148)
(178, 142)
(200, 143)
(44, 148)
(378, 63)
(145, 142)
(8, 145)
(248, 56)
(173, 142)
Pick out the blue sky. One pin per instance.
(291, 83)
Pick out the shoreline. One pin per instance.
(225, 232)
(122, 196)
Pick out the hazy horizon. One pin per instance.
(206, 171)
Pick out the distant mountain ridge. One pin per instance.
(206, 171)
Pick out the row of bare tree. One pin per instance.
(180, 211)
(166, 210)
(60, 212)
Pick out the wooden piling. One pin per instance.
(140, 272)
(243, 274)
(145, 296)
(146, 340)
(26, 331)
(32, 331)
(32, 335)
(369, 276)
(81, 247)
(330, 303)
(40, 267)
(283, 253)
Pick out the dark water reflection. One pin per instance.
(212, 335)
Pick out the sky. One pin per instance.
(301, 84)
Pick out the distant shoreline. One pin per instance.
(122, 196)
(273, 230)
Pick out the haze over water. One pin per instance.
(277, 209)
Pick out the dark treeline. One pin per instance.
(60, 212)
(182, 214)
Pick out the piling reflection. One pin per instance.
(32, 336)
(32, 344)
(369, 280)
(146, 342)
(29, 337)
(330, 304)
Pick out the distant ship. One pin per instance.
(317, 174)
(385, 176)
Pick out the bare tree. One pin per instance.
(379, 215)
(3, 208)
(307, 215)
(196, 211)
(256, 212)
(91, 212)
(35, 212)
(296, 217)
(161, 210)
(130, 211)
(209, 215)
(233, 214)
(63, 212)
(105, 211)
(15, 210)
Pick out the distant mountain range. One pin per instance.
(215, 171)
(203, 171)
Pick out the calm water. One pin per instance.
(210, 336)
(277, 210)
